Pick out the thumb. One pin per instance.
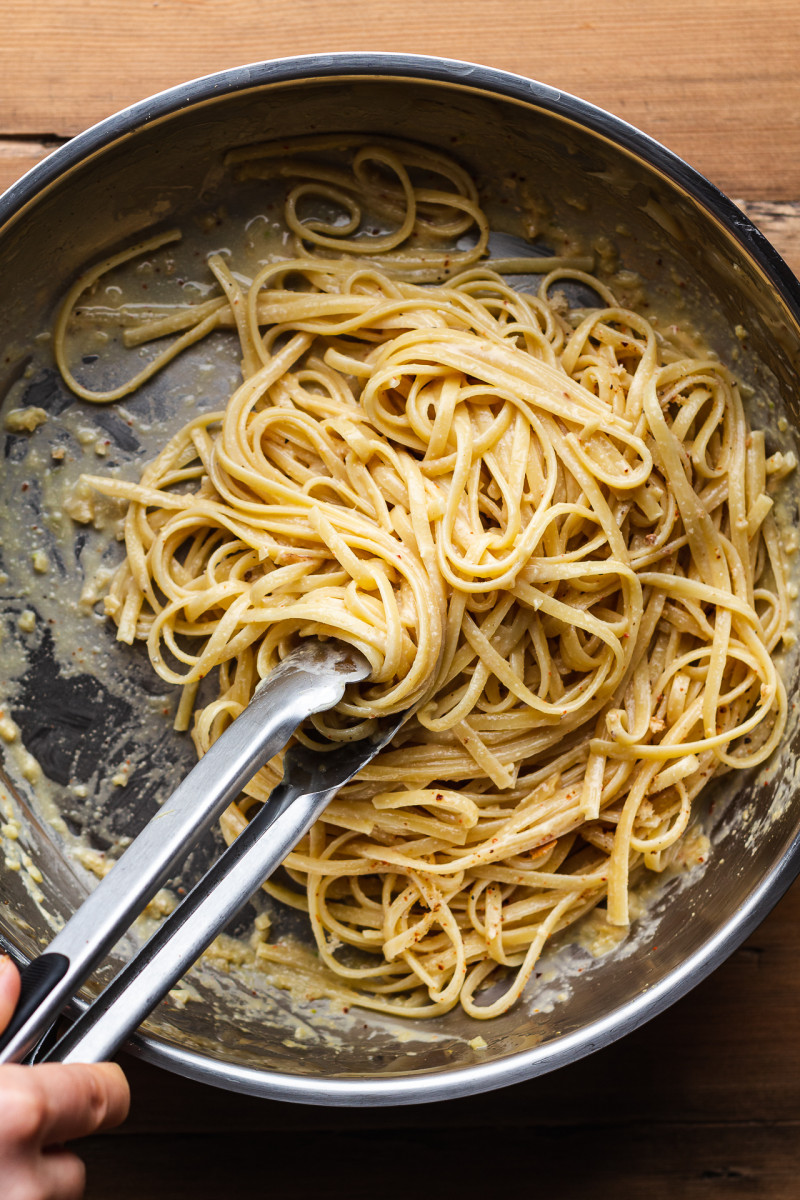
(9, 989)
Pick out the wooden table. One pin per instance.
(703, 1102)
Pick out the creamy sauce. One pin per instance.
(60, 543)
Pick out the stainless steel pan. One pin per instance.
(83, 715)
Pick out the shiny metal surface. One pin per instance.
(310, 680)
(698, 256)
(310, 781)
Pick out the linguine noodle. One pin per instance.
(549, 531)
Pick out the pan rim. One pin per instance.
(451, 1082)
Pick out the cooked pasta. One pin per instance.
(548, 529)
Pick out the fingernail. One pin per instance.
(5, 959)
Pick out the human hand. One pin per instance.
(42, 1107)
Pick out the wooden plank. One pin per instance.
(716, 80)
(781, 224)
(17, 156)
(693, 1161)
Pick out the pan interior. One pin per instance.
(90, 712)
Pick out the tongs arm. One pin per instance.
(311, 679)
(311, 779)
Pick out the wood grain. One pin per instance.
(678, 1161)
(781, 224)
(716, 80)
(18, 155)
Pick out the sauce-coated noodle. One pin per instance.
(548, 530)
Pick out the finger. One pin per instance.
(9, 990)
(61, 1175)
(78, 1099)
(118, 1095)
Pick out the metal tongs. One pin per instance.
(311, 679)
